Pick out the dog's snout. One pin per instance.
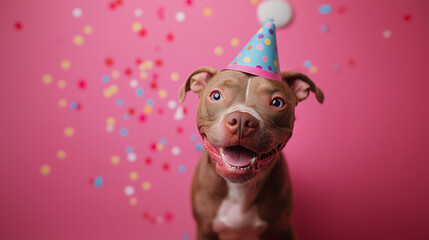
(241, 123)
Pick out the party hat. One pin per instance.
(259, 56)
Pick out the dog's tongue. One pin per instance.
(237, 157)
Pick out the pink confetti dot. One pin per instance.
(189, 2)
(165, 166)
(18, 25)
(128, 71)
(148, 161)
(143, 32)
(82, 84)
(142, 118)
(170, 37)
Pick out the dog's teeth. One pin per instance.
(252, 162)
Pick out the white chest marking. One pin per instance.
(236, 217)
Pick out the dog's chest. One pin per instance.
(235, 219)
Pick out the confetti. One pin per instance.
(162, 93)
(175, 151)
(110, 91)
(115, 159)
(77, 12)
(254, 2)
(129, 190)
(78, 40)
(180, 16)
(147, 109)
(134, 176)
(61, 84)
(137, 27)
(61, 154)
(387, 34)
(139, 92)
(138, 12)
(62, 102)
(87, 30)
(45, 170)
(115, 74)
(207, 12)
(324, 28)
(98, 182)
(123, 132)
(313, 69)
(218, 50)
(133, 201)
(47, 79)
(182, 168)
(134, 83)
(18, 26)
(110, 121)
(131, 157)
(65, 64)
(234, 42)
(146, 186)
(172, 104)
(69, 131)
(325, 9)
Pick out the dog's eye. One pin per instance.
(216, 96)
(277, 102)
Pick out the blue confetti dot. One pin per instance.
(163, 141)
(105, 78)
(139, 92)
(129, 149)
(182, 168)
(98, 182)
(73, 106)
(126, 116)
(307, 63)
(119, 102)
(336, 68)
(199, 147)
(324, 28)
(185, 236)
(149, 102)
(325, 9)
(123, 132)
(193, 137)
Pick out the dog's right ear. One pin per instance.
(197, 81)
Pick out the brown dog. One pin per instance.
(241, 187)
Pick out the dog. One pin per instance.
(241, 187)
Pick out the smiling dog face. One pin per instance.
(245, 120)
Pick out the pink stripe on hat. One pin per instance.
(255, 71)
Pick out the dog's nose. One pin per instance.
(241, 123)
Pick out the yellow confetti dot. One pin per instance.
(110, 121)
(276, 63)
(78, 40)
(134, 175)
(260, 30)
(159, 147)
(68, 131)
(162, 93)
(62, 102)
(147, 110)
(254, 2)
(267, 41)
(61, 84)
(65, 64)
(207, 12)
(87, 29)
(45, 169)
(235, 42)
(137, 26)
(174, 76)
(115, 74)
(246, 59)
(218, 50)
(61, 154)
(115, 159)
(146, 65)
(110, 91)
(146, 185)
(47, 79)
(133, 201)
(143, 75)
(313, 69)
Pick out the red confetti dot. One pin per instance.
(148, 161)
(153, 146)
(142, 118)
(18, 25)
(91, 181)
(158, 62)
(160, 111)
(138, 61)
(351, 62)
(166, 166)
(119, 2)
(170, 37)
(82, 84)
(143, 32)
(112, 5)
(146, 215)
(153, 85)
(341, 10)
(168, 216)
(131, 111)
(108, 62)
(152, 220)
(407, 17)
(79, 106)
(185, 110)
(128, 71)
(189, 2)
(179, 130)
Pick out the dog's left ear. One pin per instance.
(197, 81)
(301, 85)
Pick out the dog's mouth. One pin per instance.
(239, 160)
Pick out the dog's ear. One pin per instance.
(197, 81)
(301, 85)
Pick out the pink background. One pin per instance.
(359, 162)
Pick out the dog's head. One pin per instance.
(245, 120)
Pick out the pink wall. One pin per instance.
(359, 162)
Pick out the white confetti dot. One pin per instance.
(129, 190)
(175, 151)
(160, 219)
(132, 157)
(134, 83)
(138, 12)
(172, 104)
(110, 128)
(77, 12)
(180, 16)
(278, 10)
(387, 34)
(180, 114)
